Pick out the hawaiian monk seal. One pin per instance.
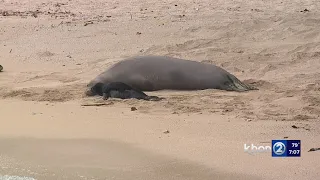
(130, 94)
(101, 88)
(151, 73)
(120, 90)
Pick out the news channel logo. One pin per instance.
(286, 148)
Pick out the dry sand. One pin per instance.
(51, 49)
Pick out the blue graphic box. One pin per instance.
(286, 148)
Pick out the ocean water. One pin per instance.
(7, 177)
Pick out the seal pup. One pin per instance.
(100, 88)
(129, 94)
(120, 90)
(1, 68)
(152, 73)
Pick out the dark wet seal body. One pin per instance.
(130, 94)
(151, 73)
(100, 88)
(119, 90)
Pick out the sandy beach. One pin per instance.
(50, 50)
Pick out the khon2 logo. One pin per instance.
(286, 148)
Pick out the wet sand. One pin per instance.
(97, 159)
(46, 139)
(50, 50)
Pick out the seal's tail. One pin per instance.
(236, 85)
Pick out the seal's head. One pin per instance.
(95, 90)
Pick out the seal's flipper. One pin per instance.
(234, 84)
